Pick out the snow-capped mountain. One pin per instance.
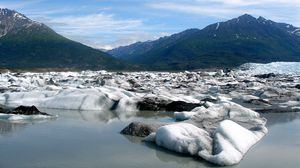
(27, 44)
(12, 22)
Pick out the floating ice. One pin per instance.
(182, 137)
(225, 143)
(227, 146)
(18, 117)
(72, 99)
(231, 142)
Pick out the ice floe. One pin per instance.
(24, 118)
(220, 134)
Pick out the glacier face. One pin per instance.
(290, 68)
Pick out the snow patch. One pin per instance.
(218, 25)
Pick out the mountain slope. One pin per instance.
(28, 44)
(225, 44)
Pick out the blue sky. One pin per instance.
(111, 23)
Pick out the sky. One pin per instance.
(108, 24)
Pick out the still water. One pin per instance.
(92, 140)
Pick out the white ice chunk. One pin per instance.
(184, 115)
(231, 142)
(183, 138)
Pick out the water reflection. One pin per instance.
(280, 118)
(108, 116)
(168, 156)
(6, 128)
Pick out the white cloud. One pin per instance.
(121, 39)
(85, 24)
(202, 9)
(101, 30)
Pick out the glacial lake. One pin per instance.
(89, 140)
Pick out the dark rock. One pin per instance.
(51, 82)
(297, 86)
(120, 73)
(189, 75)
(141, 129)
(28, 110)
(115, 105)
(209, 99)
(133, 83)
(276, 109)
(155, 104)
(180, 86)
(2, 110)
(152, 104)
(227, 70)
(25, 110)
(246, 81)
(264, 76)
(3, 89)
(229, 87)
(258, 102)
(181, 106)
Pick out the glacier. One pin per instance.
(291, 68)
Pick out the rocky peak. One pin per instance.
(246, 17)
(12, 21)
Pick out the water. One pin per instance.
(91, 140)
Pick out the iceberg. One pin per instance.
(220, 134)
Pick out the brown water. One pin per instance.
(89, 140)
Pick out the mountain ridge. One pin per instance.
(223, 44)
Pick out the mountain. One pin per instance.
(26, 44)
(224, 44)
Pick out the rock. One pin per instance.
(209, 99)
(297, 86)
(141, 129)
(26, 110)
(2, 110)
(264, 76)
(133, 83)
(258, 102)
(277, 109)
(152, 104)
(181, 106)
